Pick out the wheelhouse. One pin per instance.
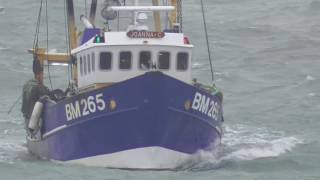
(111, 62)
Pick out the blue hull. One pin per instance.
(152, 110)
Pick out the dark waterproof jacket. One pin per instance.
(31, 93)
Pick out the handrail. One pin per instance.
(142, 8)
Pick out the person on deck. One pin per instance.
(33, 90)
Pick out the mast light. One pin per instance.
(99, 39)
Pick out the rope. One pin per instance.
(14, 104)
(207, 39)
(47, 26)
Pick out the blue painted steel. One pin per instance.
(151, 110)
(88, 34)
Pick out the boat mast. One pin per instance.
(72, 29)
(156, 16)
(71, 24)
(173, 16)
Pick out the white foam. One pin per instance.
(310, 78)
(312, 94)
(248, 143)
(197, 65)
(243, 143)
(270, 149)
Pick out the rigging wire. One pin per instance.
(85, 7)
(47, 26)
(14, 104)
(36, 35)
(35, 47)
(67, 44)
(179, 15)
(207, 39)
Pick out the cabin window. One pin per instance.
(89, 64)
(145, 60)
(93, 62)
(105, 60)
(125, 60)
(81, 66)
(84, 65)
(182, 61)
(164, 60)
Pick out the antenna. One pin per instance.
(207, 39)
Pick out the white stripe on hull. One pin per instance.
(141, 158)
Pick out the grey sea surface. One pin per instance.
(266, 61)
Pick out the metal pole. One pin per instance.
(207, 40)
(93, 11)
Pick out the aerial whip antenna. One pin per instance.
(207, 39)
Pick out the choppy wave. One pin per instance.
(273, 148)
(11, 152)
(244, 143)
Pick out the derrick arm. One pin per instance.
(93, 11)
(42, 55)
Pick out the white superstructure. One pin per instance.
(118, 56)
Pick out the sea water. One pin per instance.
(266, 57)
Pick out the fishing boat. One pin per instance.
(132, 102)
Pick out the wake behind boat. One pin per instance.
(132, 102)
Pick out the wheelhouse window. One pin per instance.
(89, 64)
(145, 60)
(182, 61)
(84, 65)
(164, 60)
(81, 66)
(125, 60)
(93, 63)
(105, 60)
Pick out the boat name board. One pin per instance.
(206, 106)
(145, 34)
(85, 107)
